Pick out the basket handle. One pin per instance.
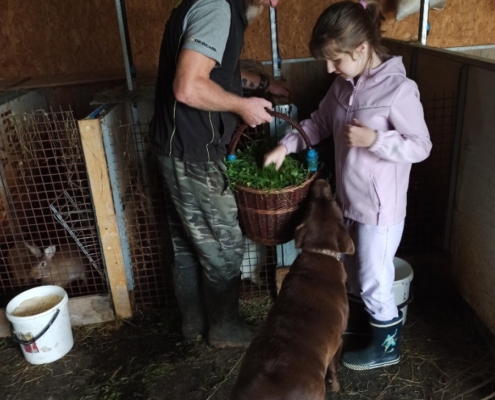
(241, 128)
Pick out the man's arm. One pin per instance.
(193, 86)
(251, 81)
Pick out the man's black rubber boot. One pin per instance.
(382, 350)
(190, 301)
(225, 326)
(358, 322)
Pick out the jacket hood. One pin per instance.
(392, 65)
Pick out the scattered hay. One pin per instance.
(254, 310)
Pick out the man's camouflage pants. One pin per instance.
(202, 215)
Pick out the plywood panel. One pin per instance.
(474, 233)
(58, 38)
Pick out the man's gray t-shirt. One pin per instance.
(206, 28)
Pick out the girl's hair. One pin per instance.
(344, 26)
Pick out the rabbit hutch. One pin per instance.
(77, 170)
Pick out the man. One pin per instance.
(197, 107)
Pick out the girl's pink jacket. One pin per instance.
(371, 182)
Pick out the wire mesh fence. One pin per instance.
(46, 201)
(47, 212)
(429, 184)
(145, 203)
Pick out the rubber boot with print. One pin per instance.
(382, 350)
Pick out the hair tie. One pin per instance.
(363, 3)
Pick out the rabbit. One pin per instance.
(60, 267)
(254, 258)
(20, 258)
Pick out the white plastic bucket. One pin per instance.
(45, 336)
(402, 284)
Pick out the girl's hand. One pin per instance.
(276, 156)
(359, 135)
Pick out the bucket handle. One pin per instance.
(28, 342)
(410, 298)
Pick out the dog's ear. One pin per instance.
(299, 235)
(346, 245)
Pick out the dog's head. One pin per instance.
(323, 224)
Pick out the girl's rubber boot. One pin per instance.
(382, 350)
(358, 322)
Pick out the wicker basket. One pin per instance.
(270, 217)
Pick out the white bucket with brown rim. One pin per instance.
(41, 323)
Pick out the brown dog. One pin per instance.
(299, 345)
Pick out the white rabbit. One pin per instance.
(20, 259)
(253, 261)
(59, 267)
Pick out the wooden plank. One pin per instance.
(85, 310)
(4, 324)
(92, 141)
(280, 276)
(88, 310)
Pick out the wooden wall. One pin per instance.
(473, 234)
(62, 38)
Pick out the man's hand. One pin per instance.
(359, 135)
(253, 111)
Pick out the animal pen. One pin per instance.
(92, 182)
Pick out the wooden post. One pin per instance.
(96, 164)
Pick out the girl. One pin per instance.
(374, 113)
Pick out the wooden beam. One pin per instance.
(96, 165)
(280, 276)
(85, 310)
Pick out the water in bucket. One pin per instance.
(41, 323)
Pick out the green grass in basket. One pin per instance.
(247, 169)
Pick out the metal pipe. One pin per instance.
(276, 61)
(423, 21)
(126, 45)
(456, 154)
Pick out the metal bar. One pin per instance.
(290, 60)
(276, 61)
(464, 48)
(423, 21)
(118, 196)
(126, 46)
(456, 153)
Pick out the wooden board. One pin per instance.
(280, 276)
(97, 168)
(84, 310)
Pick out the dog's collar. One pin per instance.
(331, 253)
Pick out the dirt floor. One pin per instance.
(447, 354)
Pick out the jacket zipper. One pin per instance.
(375, 190)
(351, 101)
